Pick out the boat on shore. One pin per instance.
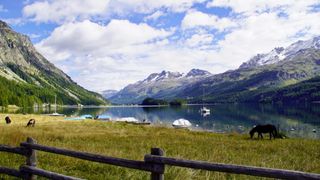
(102, 118)
(143, 122)
(56, 114)
(82, 117)
(181, 123)
(127, 119)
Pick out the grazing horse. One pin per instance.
(8, 120)
(268, 128)
(31, 122)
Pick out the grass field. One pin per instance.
(133, 142)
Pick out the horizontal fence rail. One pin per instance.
(140, 165)
(47, 174)
(153, 163)
(236, 169)
(11, 172)
(15, 150)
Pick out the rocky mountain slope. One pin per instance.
(264, 72)
(28, 77)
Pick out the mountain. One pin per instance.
(163, 85)
(197, 72)
(108, 93)
(305, 91)
(27, 78)
(242, 84)
(280, 53)
(263, 73)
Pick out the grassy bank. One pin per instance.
(133, 142)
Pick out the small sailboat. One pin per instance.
(204, 111)
(55, 108)
(181, 123)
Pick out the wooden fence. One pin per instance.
(154, 163)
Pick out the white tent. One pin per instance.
(181, 123)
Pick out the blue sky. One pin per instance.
(107, 44)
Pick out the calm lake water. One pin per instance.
(295, 121)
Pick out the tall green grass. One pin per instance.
(133, 142)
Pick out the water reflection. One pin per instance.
(295, 121)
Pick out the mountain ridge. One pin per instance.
(280, 53)
(278, 68)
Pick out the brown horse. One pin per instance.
(31, 122)
(8, 120)
(268, 128)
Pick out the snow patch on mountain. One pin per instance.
(280, 53)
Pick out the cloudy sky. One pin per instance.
(106, 44)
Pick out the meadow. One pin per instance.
(133, 142)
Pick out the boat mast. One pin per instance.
(55, 103)
(202, 96)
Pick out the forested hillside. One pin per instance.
(27, 78)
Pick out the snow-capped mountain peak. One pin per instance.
(162, 75)
(280, 53)
(197, 72)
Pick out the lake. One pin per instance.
(295, 121)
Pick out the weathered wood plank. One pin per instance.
(158, 174)
(10, 172)
(31, 159)
(140, 165)
(45, 173)
(236, 169)
(15, 150)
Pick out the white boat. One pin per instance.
(204, 114)
(55, 108)
(181, 123)
(205, 110)
(128, 119)
(56, 114)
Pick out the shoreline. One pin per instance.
(193, 128)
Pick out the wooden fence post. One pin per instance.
(31, 159)
(159, 167)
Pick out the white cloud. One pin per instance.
(147, 6)
(253, 6)
(120, 46)
(110, 56)
(87, 37)
(60, 11)
(196, 18)
(64, 10)
(199, 40)
(14, 21)
(154, 16)
(260, 32)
